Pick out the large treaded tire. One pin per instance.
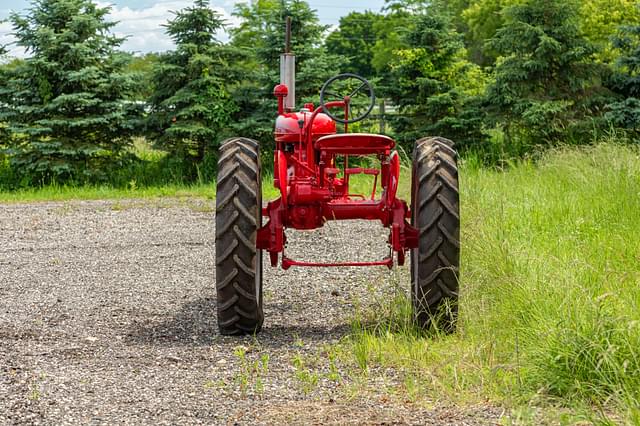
(238, 218)
(435, 211)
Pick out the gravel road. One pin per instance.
(108, 316)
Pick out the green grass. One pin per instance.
(359, 184)
(550, 295)
(65, 193)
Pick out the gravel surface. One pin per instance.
(108, 316)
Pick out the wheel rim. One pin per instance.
(258, 283)
(414, 251)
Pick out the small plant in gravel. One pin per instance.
(35, 394)
(334, 371)
(298, 342)
(306, 377)
(262, 367)
(412, 387)
(251, 372)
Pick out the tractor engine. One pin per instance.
(305, 194)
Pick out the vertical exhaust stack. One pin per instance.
(288, 70)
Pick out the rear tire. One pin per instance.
(238, 218)
(435, 211)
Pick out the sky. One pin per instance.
(140, 20)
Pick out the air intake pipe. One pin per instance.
(288, 70)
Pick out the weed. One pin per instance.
(306, 377)
(334, 372)
(35, 393)
(251, 372)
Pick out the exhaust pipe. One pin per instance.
(288, 70)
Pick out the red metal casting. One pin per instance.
(288, 263)
(314, 188)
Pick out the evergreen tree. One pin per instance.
(262, 29)
(4, 134)
(191, 105)
(626, 80)
(434, 86)
(66, 104)
(546, 81)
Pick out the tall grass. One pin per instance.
(550, 290)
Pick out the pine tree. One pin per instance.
(66, 105)
(626, 80)
(263, 30)
(191, 104)
(434, 86)
(546, 79)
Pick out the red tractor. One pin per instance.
(312, 172)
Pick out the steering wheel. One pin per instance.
(354, 91)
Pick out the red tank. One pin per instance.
(288, 126)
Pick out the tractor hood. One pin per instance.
(288, 126)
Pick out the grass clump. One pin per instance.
(550, 294)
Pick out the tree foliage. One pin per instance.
(435, 86)
(600, 21)
(143, 66)
(356, 39)
(261, 34)
(486, 73)
(66, 104)
(262, 29)
(191, 104)
(546, 76)
(626, 80)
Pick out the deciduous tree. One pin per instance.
(355, 40)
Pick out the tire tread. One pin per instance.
(436, 213)
(238, 217)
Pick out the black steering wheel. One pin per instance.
(352, 89)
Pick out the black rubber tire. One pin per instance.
(238, 218)
(435, 211)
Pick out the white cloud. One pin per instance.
(142, 27)
(7, 39)
(5, 30)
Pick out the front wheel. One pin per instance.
(435, 211)
(238, 218)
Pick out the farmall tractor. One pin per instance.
(312, 172)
